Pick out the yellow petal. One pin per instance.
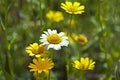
(76, 4)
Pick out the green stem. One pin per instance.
(103, 44)
(79, 54)
(82, 75)
(40, 12)
(31, 4)
(6, 20)
(38, 76)
(41, 20)
(51, 4)
(98, 15)
(48, 76)
(67, 66)
(8, 67)
(102, 30)
(71, 19)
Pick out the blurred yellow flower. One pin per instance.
(84, 64)
(36, 50)
(71, 22)
(81, 39)
(72, 8)
(101, 78)
(41, 65)
(55, 16)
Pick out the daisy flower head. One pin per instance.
(54, 40)
(41, 65)
(36, 50)
(84, 64)
(73, 8)
(55, 16)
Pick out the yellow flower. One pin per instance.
(36, 50)
(55, 16)
(72, 8)
(84, 64)
(41, 65)
(81, 39)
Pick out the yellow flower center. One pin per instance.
(72, 9)
(81, 39)
(42, 66)
(54, 39)
(38, 49)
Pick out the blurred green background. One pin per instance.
(20, 25)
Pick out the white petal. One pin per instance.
(64, 37)
(43, 40)
(61, 34)
(49, 31)
(54, 32)
(50, 46)
(45, 43)
(43, 36)
(57, 47)
(64, 43)
(46, 32)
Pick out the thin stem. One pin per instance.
(51, 4)
(38, 76)
(8, 67)
(40, 12)
(41, 20)
(79, 53)
(102, 30)
(31, 5)
(5, 22)
(71, 19)
(98, 15)
(67, 66)
(48, 76)
(82, 75)
(103, 46)
(51, 56)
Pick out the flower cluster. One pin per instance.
(52, 39)
(49, 39)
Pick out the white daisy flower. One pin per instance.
(54, 40)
